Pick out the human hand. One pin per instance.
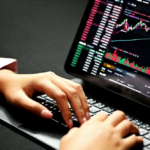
(19, 89)
(102, 133)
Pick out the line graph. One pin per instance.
(130, 40)
(132, 34)
(140, 25)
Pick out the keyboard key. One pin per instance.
(41, 98)
(69, 105)
(71, 110)
(42, 103)
(48, 102)
(48, 98)
(73, 114)
(91, 114)
(94, 109)
(90, 105)
(91, 101)
(148, 128)
(46, 105)
(99, 105)
(51, 107)
(129, 117)
(148, 147)
(54, 102)
(145, 148)
(75, 119)
(142, 131)
(108, 109)
(137, 122)
(147, 136)
(44, 95)
(145, 126)
(146, 142)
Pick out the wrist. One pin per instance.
(4, 76)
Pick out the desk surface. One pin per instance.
(39, 34)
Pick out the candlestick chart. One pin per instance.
(139, 64)
(128, 28)
(132, 35)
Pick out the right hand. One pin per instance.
(102, 133)
(19, 89)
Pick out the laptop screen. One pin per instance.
(112, 47)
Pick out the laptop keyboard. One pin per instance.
(95, 107)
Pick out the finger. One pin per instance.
(24, 102)
(99, 117)
(45, 86)
(72, 96)
(132, 141)
(116, 118)
(126, 127)
(82, 96)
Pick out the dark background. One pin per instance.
(39, 34)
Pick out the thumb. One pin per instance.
(24, 102)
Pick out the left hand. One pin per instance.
(19, 89)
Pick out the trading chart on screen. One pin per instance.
(115, 43)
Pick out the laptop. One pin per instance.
(110, 58)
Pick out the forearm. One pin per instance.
(7, 68)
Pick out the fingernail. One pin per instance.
(46, 114)
(87, 115)
(70, 123)
(84, 120)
